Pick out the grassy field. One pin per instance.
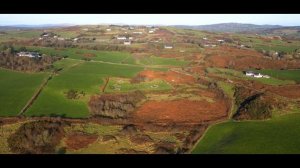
(5, 132)
(282, 74)
(230, 73)
(124, 85)
(279, 135)
(106, 56)
(153, 60)
(81, 76)
(19, 35)
(67, 34)
(16, 89)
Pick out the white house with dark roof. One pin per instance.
(29, 54)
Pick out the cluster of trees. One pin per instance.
(108, 47)
(74, 94)
(252, 105)
(36, 137)
(54, 43)
(9, 60)
(115, 105)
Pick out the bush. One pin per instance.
(36, 137)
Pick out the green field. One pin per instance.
(282, 74)
(19, 35)
(153, 60)
(16, 89)
(124, 85)
(279, 135)
(105, 56)
(81, 76)
(230, 73)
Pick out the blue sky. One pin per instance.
(161, 19)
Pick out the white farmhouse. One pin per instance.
(137, 32)
(249, 73)
(256, 75)
(29, 54)
(168, 46)
(127, 42)
(121, 38)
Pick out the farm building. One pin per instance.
(137, 32)
(108, 29)
(127, 42)
(256, 75)
(48, 35)
(29, 54)
(168, 46)
(151, 31)
(121, 38)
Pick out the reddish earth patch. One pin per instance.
(89, 55)
(225, 56)
(79, 140)
(198, 69)
(185, 111)
(169, 76)
(290, 91)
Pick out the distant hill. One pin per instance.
(24, 27)
(286, 32)
(230, 27)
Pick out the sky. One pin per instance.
(149, 19)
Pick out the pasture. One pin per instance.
(124, 85)
(282, 74)
(86, 77)
(279, 135)
(153, 60)
(16, 88)
(230, 73)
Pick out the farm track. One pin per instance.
(35, 95)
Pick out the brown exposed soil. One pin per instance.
(80, 140)
(169, 76)
(140, 139)
(289, 91)
(89, 55)
(242, 59)
(185, 111)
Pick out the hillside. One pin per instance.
(230, 27)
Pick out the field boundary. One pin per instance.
(35, 95)
(105, 85)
